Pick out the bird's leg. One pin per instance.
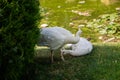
(51, 54)
(62, 57)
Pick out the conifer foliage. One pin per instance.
(18, 36)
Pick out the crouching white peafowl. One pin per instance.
(83, 47)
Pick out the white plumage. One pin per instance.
(83, 47)
(57, 37)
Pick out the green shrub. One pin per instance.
(18, 36)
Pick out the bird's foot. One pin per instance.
(62, 57)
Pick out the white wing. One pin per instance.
(63, 31)
(52, 37)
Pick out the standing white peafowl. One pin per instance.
(56, 37)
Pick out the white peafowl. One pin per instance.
(83, 47)
(56, 37)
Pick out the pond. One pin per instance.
(71, 13)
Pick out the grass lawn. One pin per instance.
(102, 64)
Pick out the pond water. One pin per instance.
(71, 13)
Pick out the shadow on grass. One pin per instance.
(102, 64)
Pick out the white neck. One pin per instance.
(73, 40)
(66, 51)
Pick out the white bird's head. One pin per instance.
(80, 26)
(79, 29)
(63, 51)
(79, 32)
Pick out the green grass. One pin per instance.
(102, 64)
(59, 12)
